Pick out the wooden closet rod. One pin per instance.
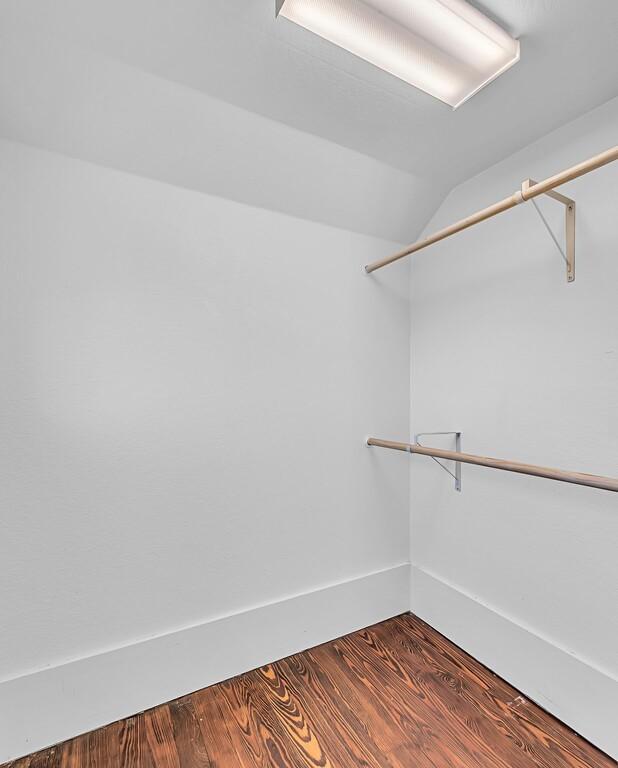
(520, 196)
(578, 478)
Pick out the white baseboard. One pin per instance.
(582, 696)
(43, 708)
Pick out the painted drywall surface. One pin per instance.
(187, 385)
(59, 97)
(526, 366)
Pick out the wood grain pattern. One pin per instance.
(395, 695)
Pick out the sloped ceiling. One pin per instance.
(237, 52)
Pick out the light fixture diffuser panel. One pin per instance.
(447, 48)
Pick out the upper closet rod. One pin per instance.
(578, 478)
(520, 196)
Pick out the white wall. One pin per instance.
(520, 571)
(187, 384)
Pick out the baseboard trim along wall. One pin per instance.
(582, 696)
(51, 705)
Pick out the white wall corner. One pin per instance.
(577, 693)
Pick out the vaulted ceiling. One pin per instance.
(237, 52)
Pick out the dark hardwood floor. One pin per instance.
(395, 695)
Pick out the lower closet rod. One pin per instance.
(578, 478)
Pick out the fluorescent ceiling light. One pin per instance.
(447, 48)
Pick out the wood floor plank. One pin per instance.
(101, 748)
(258, 737)
(396, 725)
(445, 696)
(348, 736)
(395, 695)
(188, 737)
(223, 742)
(160, 737)
(395, 685)
(291, 713)
(134, 748)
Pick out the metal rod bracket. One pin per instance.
(526, 192)
(457, 474)
(569, 209)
